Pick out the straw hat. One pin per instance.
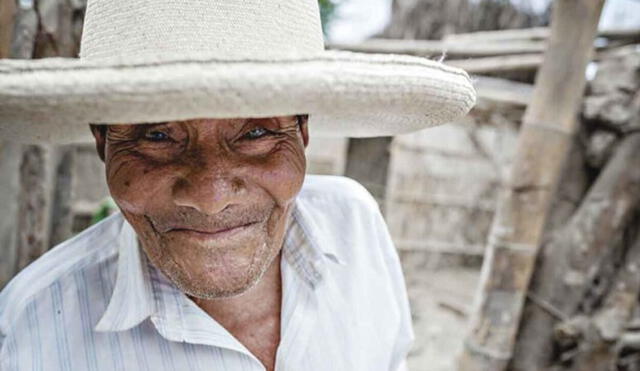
(161, 60)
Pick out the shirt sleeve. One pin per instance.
(405, 336)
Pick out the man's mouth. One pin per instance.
(212, 234)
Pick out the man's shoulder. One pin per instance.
(345, 220)
(340, 190)
(341, 214)
(87, 249)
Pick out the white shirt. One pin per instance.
(96, 303)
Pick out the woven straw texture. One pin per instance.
(149, 61)
(229, 29)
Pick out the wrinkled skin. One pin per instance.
(209, 198)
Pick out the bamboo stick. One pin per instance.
(536, 33)
(548, 127)
(487, 58)
(478, 64)
(440, 247)
(499, 64)
(620, 33)
(432, 48)
(503, 91)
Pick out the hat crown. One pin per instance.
(226, 29)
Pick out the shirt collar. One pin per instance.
(134, 295)
(132, 299)
(319, 245)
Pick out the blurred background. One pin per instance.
(438, 188)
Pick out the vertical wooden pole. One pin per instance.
(61, 212)
(9, 161)
(38, 178)
(33, 204)
(25, 30)
(21, 45)
(368, 163)
(7, 15)
(57, 38)
(548, 127)
(10, 157)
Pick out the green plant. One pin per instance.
(327, 13)
(106, 208)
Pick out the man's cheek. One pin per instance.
(137, 189)
(127, 193)
(284, 174)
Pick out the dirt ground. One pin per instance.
(441, 295)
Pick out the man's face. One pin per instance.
(208, 198)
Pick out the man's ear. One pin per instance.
(100, 135)
(303, 121)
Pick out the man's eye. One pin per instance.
(156, 136)
(256, 133)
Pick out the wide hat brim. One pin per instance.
(346, 94)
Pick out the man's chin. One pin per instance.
(209, 289)
(220, 292)
(214, 271)
(230, 275)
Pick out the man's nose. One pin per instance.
(208, 189)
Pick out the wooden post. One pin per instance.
(61, 213)
(58, 37)
(548, 128)
(10, 154)
(23, 35)
(7, 14)
(368, 163)
(33, 205)
(598, 350)
(37, 177)
(10, 157)
(573, 255)
(368, 158)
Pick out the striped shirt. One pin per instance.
(95, 302)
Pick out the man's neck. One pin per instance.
(254, 316)
(264, 297)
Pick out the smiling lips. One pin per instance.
(219, 234)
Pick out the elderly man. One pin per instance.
(224, 256)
